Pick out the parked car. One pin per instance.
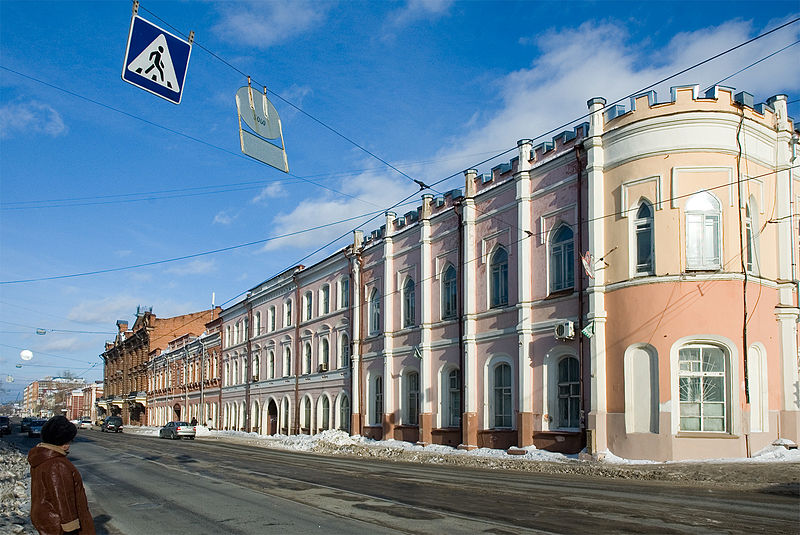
(177, 430)
(5, 425)
(35, 427)
(85, 424)
(112, 424)
(25, 424)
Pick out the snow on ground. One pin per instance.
(775, 467)
(334, 441)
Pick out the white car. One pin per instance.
(177, 430)
(85, 424)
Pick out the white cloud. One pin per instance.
(104, 311)
(598, 59)
(370, 192)
(415, 10)
(263, 24)
(66, 344)
(271, 191)
(197, 266)
(224, 218)
(30, 117)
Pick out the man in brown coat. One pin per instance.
(58, 500)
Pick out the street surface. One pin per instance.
(144, 485)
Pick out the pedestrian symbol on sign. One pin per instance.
(160, 59)
(155, 64)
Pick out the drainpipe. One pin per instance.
(582, 418)
(359, 294)
(793, 143)
(296, 352)
(458, 210)
(248, 365)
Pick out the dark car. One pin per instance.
(35, 427)
(5, 425)
(112, 424)
(25, 424)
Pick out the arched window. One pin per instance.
(287, 362)
(449, 293)
(235, 372)
(499, 278)
(344, 351)
(703, 237)
(409, 304)
(702, 387)
(257, 324)
(309, 304)
(307, 358)
(569, 392)
(271, 319)
(501, 395)
(287, 313)
(227, 380)
(285, 416)
(326, 413)
(562, 259)
(271, 365)
(375, 312)
(643, 225)
(752, 231)
(377, 397)
(325, 299)
(228, 336)
(454, 398)
(412, 398)
(324, 354)
(344, 413)
(307, 415)
(256, 371)
(344, 293)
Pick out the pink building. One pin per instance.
(628, 286)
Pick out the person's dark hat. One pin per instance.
(58, 431)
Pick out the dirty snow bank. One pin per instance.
(15, 495)
(774, 464)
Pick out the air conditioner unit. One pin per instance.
(564, 330)
(322, 367)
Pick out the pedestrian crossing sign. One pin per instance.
(156, 60)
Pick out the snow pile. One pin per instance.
(15, 496)
(777, 451)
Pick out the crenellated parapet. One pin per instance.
(683, 98)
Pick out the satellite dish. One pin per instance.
(26, 354)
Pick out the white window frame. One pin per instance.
(705, 218)
(489, 391)
(375, 312)
(409, 303)
(449, 299)
(325, 300)
(641, 226)
(561, 259)
(498, 273)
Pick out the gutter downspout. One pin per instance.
(359, 294)
(458, 210)
(296, 353)
(795, 140)
(582, 418)
(248, 366)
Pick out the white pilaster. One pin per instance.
(355, 268)
(426, 375)
(387, 305)
(597, 312)
(469, 269)
(524, 278)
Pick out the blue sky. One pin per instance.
(433, 87)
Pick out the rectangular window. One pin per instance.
(701, 383)
(344, 297)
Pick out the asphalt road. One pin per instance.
(144, 485)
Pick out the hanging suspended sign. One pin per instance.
(262, 118)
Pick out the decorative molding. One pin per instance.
(626, 186)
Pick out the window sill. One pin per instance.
(560, 293)
(568, 431)
(702, 434)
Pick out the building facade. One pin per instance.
(126, 360)
(184, 380)
(629, 286)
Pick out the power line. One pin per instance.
(195, 255)
(418, 182)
